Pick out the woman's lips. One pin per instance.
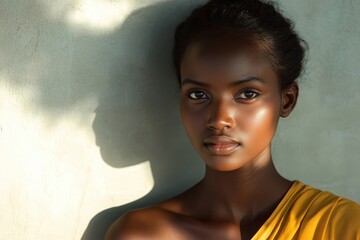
(221, 145)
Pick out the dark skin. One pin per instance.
(230, 104)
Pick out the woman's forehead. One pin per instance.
(223, 42)
(222, 54)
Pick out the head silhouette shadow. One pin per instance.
(137, 117)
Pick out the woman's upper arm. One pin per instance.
(134, 225)
(124, 228)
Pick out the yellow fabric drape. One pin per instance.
(308, 213)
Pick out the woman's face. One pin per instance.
(230, 103)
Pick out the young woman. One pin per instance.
(237, 64)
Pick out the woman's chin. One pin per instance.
(223, 163)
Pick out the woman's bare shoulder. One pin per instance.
(153, 222)
(160, 221)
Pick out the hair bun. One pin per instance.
(262, 19)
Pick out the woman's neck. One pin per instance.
(244, 192)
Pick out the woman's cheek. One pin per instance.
(264, 122)
(192, 119)
(191, 112)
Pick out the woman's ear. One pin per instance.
(288, 99)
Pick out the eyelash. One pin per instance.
(197, 91)
(249, 91)
(241, 98)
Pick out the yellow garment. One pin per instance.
(307, 213)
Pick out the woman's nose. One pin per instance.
(220, 116)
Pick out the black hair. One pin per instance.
(262, 20)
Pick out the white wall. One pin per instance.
(89, 117)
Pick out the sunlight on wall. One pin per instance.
(53, 171)
(62, 60)
(99, 15)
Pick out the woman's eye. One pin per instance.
(248, 94)
(196, 95)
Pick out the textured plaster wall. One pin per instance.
(89, 124)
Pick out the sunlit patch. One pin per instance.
(99, 15)
(52, 168)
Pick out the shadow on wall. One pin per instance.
(137, 118)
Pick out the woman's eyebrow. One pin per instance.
(247, 79)
(191, 81)
(237, 82)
